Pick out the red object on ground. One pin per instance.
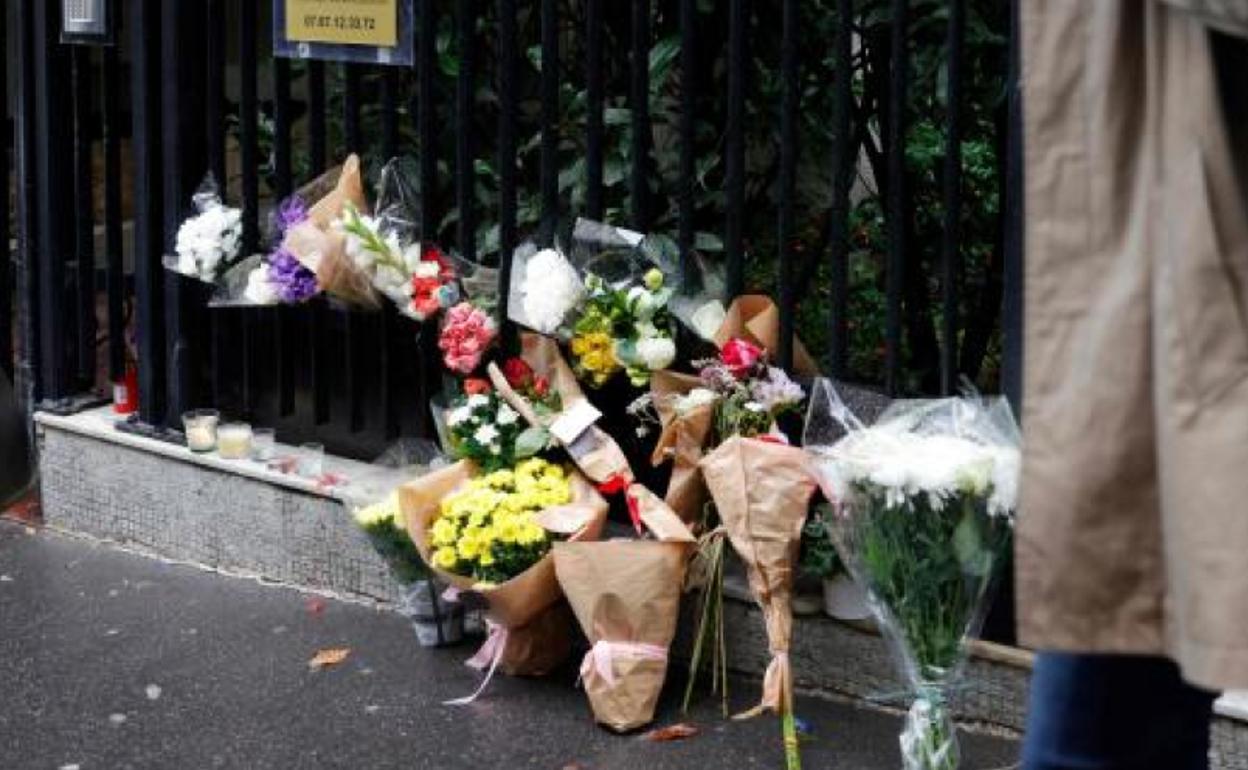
(25, 510)
(126, 392)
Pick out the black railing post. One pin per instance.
(26, 372)
(506, 161)
(115, 275)
(84, 217)
(639, 182)
(52, 152)
(843, 160)
(897, 217)
(788, 176)
(550, 121)
(465, 84)
(688, 134)
(951, 245)
(593, 103)
(6, 256)
(734, 152)
(1012, 328)
(426, 117)
(183, 69)
(144, 24)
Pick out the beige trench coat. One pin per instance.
(1133, 527)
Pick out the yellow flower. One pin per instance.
(469, 547)
(445, 558)
(444, 532)
(487, 558)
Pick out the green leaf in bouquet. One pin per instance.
(972, 552)
(531, 441)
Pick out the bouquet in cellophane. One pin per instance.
(924, 504)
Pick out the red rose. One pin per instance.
(740, 356)
(474, 386)
(541, 386)
(518, 373)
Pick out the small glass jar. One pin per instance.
(201, 429)
(311, 464)
(263, 444)
(234, 441)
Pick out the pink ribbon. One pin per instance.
(601, 659)
(489, 655)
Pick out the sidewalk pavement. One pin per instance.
(113, 660)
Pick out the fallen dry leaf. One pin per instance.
(330, 657)
(676, 732)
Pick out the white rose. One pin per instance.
(656, 352)
(260, 290)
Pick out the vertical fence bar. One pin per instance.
(1013, 310)
(115, 275)
(951, 245)
(899, 78)
(144, 22)
(640, 181)
(426, 117)
(318, 142)
(593, 118)
(50, 152)
(734, 152)
(842, 173)
(389, 114)
(550, 121)
(353, 139)
(352, 134)
(26, 374)
(688, 135)
(182, 76)
(788, 175)
(507, 62)
(288, 342)
(465, 24)
(214, 86)
(84, 216)
(248, 139)
(6, 256)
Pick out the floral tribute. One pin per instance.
(467, 334)
(624, 329)
(417, 278)
(486, 430)
(487, 530)
(208, 243)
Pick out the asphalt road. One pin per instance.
(112, 660)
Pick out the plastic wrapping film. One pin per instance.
(924, 503)
(207, 198)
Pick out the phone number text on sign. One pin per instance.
(349, 22)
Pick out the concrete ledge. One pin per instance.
(235, 516)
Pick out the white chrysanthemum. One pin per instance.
(694, 399)
(458, 416)
(551, 288)
(506, 415)
(486, 434)
(656, 353)
(905, 465)
(207, 240)
(260, 290)
(478, 400)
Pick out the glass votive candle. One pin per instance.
(263, 444)
(201, 429)
(234, 441)
(311, 460)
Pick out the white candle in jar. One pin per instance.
(234, 441)
(201, 437)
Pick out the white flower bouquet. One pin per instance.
(208, 243)
(924, 503)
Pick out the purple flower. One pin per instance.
(294, 282)
(291, 212)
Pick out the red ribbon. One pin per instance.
(615, 484)
(634, 510)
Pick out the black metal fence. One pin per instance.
(181, 94)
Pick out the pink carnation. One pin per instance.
(466, 335)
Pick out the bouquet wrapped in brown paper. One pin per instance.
(762, 490)
(320, 246)
(528, 622)
(626, 595)
(756, 319)
(684, 433)
(592, 449)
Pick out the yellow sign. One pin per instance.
(348, 22)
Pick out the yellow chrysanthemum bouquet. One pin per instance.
(490, 535)
(488, 529)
